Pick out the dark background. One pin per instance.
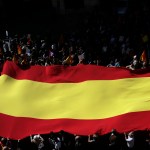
(22, 16)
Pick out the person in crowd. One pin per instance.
(80, 143)
(95, 142)
(144, 65)
(130, 140)
(5, 143)
(134, 63)
(117, 63)
(114, 140)
(37, 141)
(58, 143)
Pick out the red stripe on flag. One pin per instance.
(18, 127)
(71, 74)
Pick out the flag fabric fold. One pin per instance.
(82, 100)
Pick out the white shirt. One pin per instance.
(130, 141)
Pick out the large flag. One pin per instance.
(82, 100)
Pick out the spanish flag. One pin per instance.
(15, 59)
(82, 100)
(19, 49)
(143, 56)
(68, 60)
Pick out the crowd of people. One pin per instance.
(101, 38)
(137, 140)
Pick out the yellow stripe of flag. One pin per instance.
(85, 100)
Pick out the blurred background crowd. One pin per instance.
(110, 35)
